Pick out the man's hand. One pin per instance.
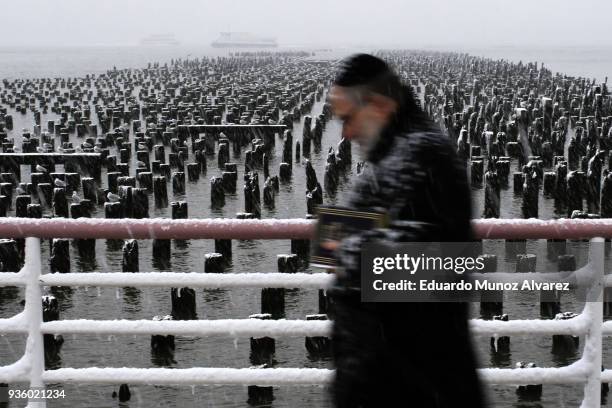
(330, 245)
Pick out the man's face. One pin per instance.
(362, 120)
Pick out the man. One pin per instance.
(399, 354)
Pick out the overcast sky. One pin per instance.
(405, 23)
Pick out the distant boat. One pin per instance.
(160, 40)
(235, 40)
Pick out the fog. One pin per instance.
(314, 22)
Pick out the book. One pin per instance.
(336, 223)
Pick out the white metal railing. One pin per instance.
(30, 367)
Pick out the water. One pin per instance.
(248, 256)
(585, 61)
(32, 62)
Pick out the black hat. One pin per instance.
(359, 69)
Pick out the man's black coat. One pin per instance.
(405, 354)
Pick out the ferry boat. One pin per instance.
(236, 40)
(160, 40)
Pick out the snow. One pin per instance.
(606, 376)
(34, 355)
(233, 328)
(12, 278)
(191, 279)
(607, 328)
(191, 376)
(575, 373)
(14, 324)
(576, 326)
(17, 372)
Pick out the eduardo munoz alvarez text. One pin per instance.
(459, 265)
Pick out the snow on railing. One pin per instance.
(221, 327)
(192, 279)
(30, 367)
(192, 376)
(219, 228)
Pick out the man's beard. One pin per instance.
(369, 138)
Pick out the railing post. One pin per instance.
(594, 310)
(35, 347)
